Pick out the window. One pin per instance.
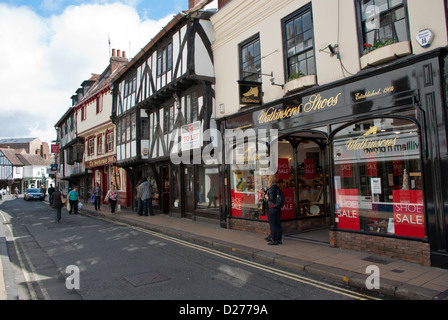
(168, 118)
(99, 104)
(144, 128)
(192, 107)
(91, 146)
(165, 59)
(299, 43)
(133, 127)
(83, 113)
(99, 143)
(378, 178)
(251, 60)
(109, 141)
(130, 85)
(383, 21)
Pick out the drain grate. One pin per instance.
(145, 278)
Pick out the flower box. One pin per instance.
(385, 54)
(300, 83)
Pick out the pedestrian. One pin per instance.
(50, 192)
(97, 193)
(275, 199)
(145, 194)
(16, 191)
(112, 197)
(72, 199)
(211, 195)
(57, 202)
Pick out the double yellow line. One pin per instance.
(278, 272)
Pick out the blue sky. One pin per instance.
(49, 47)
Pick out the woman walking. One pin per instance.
(57, 202)
(112, 197)
(72, 198)
(98, 194)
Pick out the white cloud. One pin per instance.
(44, 60)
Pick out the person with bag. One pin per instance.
(72, 199)
(275, 200)
(145, 194)
(112, 197)
(57, 202)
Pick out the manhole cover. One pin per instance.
(145, 278)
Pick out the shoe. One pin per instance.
(268, 238)
(273, 243)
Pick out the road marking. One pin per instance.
(275, 271)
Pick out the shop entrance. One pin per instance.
(303, 174)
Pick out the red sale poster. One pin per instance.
(346, 170)
(310, 171)
(347, 213)
(236, 199)
(283, 169)
(288, 209)
(409, 213)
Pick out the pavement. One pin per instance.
(398, 279)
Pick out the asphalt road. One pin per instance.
(85, 258)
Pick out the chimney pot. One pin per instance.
(118, 53)
(113, 52)
(123, 54)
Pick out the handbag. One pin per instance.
(262, 209)
(92, 199)
(63, 201)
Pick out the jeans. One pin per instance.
(276, 224)
(143, 206)
(97, 202)
(58, 214)
(113, 204)
(73, 206)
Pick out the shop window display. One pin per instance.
(378, 178)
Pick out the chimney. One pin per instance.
(117, 59)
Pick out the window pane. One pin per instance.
(400, 29)
(393, 3)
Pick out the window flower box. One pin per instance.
(299, 83)
(385, 54)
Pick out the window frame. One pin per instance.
(246, 44)
(298, 13)
(165, 59)
(360, 23)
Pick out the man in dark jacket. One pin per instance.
(56, 202)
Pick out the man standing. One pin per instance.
(145, 194)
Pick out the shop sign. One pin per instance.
(347, 214)
(250, 92)
(55, 148)
(283, 169)
(100, 162)
(409, 213)
(191, 136)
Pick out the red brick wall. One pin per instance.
(401, 249)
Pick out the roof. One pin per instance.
(33, 160)
(16, 140)
(10, 154)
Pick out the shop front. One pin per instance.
(363, 158)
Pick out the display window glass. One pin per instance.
(377, 175)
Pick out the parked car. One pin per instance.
(32, 193)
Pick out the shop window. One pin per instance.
(377, 176)
(299, 43)
(250, 57)
(383, 22)
(208, 193)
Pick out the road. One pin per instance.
(88, 258)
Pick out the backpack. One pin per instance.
(280, 198)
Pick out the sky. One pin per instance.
(49, 47)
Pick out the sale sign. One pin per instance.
(288, 209)
(236, 199)
(347, 213)
(409, 213)
(310, 171)
(283, 169)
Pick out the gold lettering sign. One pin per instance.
(100, 162)
(314, 103)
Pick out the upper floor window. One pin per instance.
(299, 42)
(165, 59)
(99, 104)
(383, 22)
(99, 145)
(192, 107)
(109, 141)
(250, 57)
(130, 85)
